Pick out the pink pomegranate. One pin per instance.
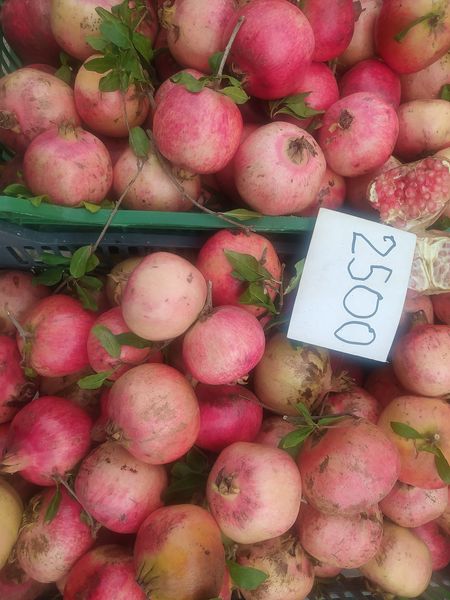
(164, 62)
(428, 416)
(333, 28)
(332, 194)
(411, 35)
(427, 83)
(47, 550)
(213, 117)
(46, 439)
(441, 306)
(384, 385)
(104, 112)
(444, 519)
(402, 566)
(293, 581)
(344, 542)
(223, 346)
(294, 184)
(357, 188)
(420, 360)
(349, 469)
(228, 414)
(100, 359)
(423, 128)
(274, 45)
(214, 265)
(58, 327)
(30, 103)
(69, 165)
(163, 296)
(26, 27)
(356, 402)
(374, 77)
(115, 146)
(344, 364)
(190, 534)
(118, 490)
(153, 413)
(437, 542)
(243, 490)
(273, 429)
(324, 571)
(4, 429)
(15, 391)
(417, 308)
(117, 279)
(194, 29)
(411, 506)
(153, 190)
(361, 46)
(358, 134)
(16, 585)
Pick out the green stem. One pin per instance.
(402, 34)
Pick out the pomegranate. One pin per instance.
(118, 277)
(103, 573)
(424, 128)
(290, 373)
(49, 350)
(289, 569)
(46, 550)
(324, 571)
(428, 416)
(153, 190)
(444, 519)
(30, 103)
(47, 438)
(213, 117)
(358, 134)
(427, 83)
(115, 146)
(4, 428)
(194, 29)
(15, 391)
(357, 188)
(274, 45)
(223, 345)
(372, 76)
(190, 534)
(16, 585)
(164, 62)
(333, 29)
(214, 265)
(332, 194)
(10, 519)
(417, 309)
(402, 566)
(153, 413)
(104, 112)
(441, 307)
(344, 364)
(296, 181)
(361, 45)
(243, 492)
(384, 385)
(118, 490)
(411, 506)
(357, 402)
(437, 542)
(420, 360)
(67, 387)
(69, 165)
(349, 469)
(344, 542)
(26, 27)
(228, 414)
(411, 35)
(163, 297)
(273, 429)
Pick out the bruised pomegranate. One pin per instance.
(356, 401)
(411, 506)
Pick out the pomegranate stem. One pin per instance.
(227, 50)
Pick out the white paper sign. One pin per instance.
(353, 286)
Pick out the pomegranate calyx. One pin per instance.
(225, 484)
(297, 147)
(345, 119)
(8, 120)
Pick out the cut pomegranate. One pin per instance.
(430, 273)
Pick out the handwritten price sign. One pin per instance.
(353, 286)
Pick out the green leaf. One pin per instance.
(330, 420)
(17, 189)
(295, 438)
(101, 65)
(65, 74)
(54, 259)
(189, 82)
(106, 15)
(445, 92)
(91, 283)
(38, 200)
(197, 460)
(108, 340)
(243, 214)
(139, 142)
(405, 431)
(402, 34)
(92, 208)
(133, 340)
(295, 106)
(92, 263)
(246, 267)
(256, 295)
(185, 487)
(110, 83)
(246, 578)
(143, 45)
(117, 33)
(303, 410)
(52, 508)
(442, 224)
(87, 300)
(293, 284)
(214, 62)
(442, 466)
(49, 276)
(237, 94)
(94, 382)
(79, 261)
(97, 43)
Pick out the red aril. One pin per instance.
(356, 402)
(411, 506)
(372, 76)
(361, 46)
(332, 194)
(426, 84)
(441, 307)
(223, 346)
(437, 543)
(228, 414)
(423, 128)
(294, 184)
(46, 439)
(384, 385)
(274, 45)
(69, 165)
(15, 390)
(357, 188)
(358, 134)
